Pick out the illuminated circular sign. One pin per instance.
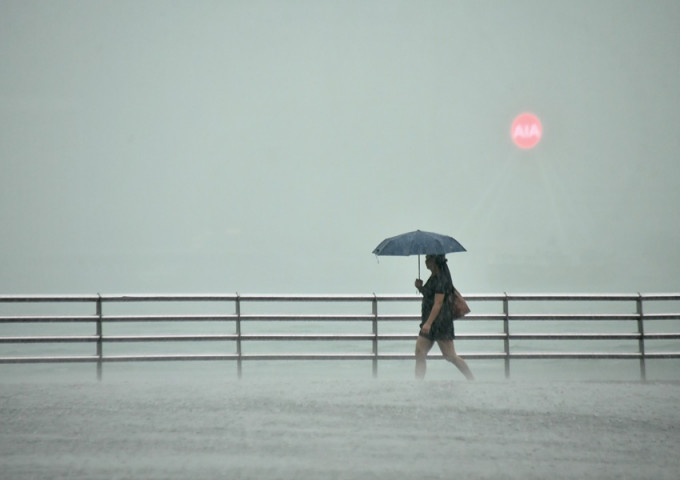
(526, 130)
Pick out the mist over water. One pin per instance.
(267, 147)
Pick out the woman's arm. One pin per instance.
(436, 308)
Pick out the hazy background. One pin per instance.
(267, 146)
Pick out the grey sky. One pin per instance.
(253, 146)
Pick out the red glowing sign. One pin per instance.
(526, 130)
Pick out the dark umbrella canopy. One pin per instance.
(418, 243)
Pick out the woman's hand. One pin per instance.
(419, 284)
(426, 328)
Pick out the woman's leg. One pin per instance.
(449, 352)
(423, 345)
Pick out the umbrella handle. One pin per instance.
(418, 271)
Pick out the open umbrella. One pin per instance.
(418, 243)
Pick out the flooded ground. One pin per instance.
(205, 427)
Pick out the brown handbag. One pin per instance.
(459, 307)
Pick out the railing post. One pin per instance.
(506, 332)
(375, 335)
(239, 365)
(641, 340)
(99, 337)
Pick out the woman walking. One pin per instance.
(436, 318)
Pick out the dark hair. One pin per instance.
(441, 262)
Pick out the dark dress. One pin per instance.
(442, 327)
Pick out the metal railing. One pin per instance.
(239, 334)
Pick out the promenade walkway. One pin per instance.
(298, 427)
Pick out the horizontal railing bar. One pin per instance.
(662, 336)
(48, 359)
(660, 296)
(397, 317)
(179, 338)
(474, 297)
(332, 337)
(228, 297)
(48, 319)
(164, 358)
(572, 316)
(323, 317)
(168, 318)
(662, 316)
(47, 298)
(310, 336)
(584, 297)
(168, 338)
(184, 338)
(309, 356)
(363, 356)
(659, 355)
(310, 298)
(548, 355)
(539, 297)
(300, 337)
(591, 355)
(233, 317)
(288, 356)
(305, 317)
(437, 356)
(595, 316)
(203, 317)
(338, 356)
(50, 339)
(332, 298)
(574, 336)
(459, 336)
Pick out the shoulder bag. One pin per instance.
(459, 307)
